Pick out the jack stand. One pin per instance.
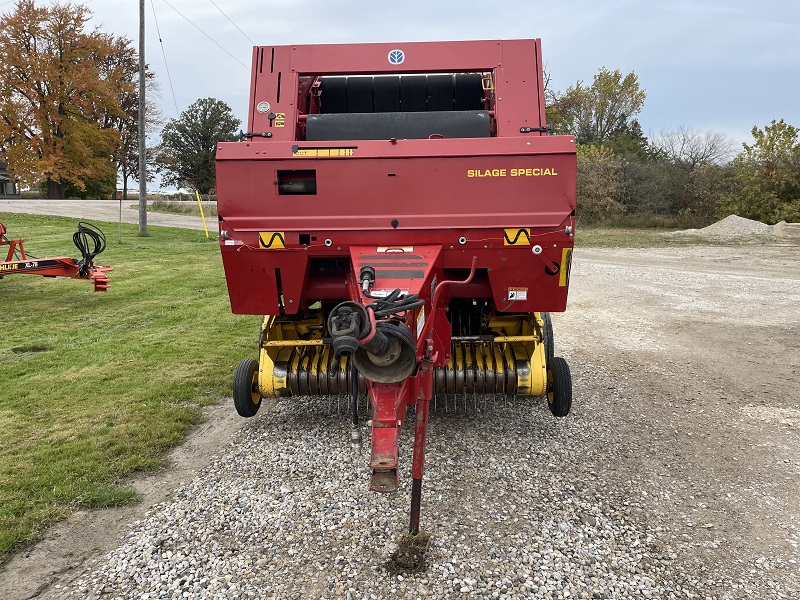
(355, 430)
(355, 438)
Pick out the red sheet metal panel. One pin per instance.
(508, 200)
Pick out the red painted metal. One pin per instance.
(488, 218)
(53, 266)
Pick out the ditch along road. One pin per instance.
(682, 453)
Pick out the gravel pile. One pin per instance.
(732, 226)
(518, 504)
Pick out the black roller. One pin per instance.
(402, 125)
(413, 93)
(440, 92)
(333, 95)
(359, 95)
(468, 91)
(386, 93)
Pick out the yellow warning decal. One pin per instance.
(280, 119)
(271, 240)
(517, 236)
(322, 152)
(566, 266)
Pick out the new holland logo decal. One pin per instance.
(396, 57)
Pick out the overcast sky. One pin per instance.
(722, 65)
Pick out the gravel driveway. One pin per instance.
(675, 476)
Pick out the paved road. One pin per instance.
(100, 210)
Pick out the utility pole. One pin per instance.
(142, 136)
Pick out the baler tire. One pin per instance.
(547, 337)
(246, 397)
(559, 387)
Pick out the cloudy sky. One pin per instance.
(720, 65)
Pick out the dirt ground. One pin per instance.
(702, 344)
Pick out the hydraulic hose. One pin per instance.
(86, 234)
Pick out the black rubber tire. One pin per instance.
(559, 387)
(246, 397)
(547, 337)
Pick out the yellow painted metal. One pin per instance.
(293, 360)
(266, 366)
(202, 214)
(277, 357)
(538, 384)
(291, 343)
(266, 378)
(510, 339)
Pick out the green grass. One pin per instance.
(614, 237)
(97, 386)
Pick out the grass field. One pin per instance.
(96, 386)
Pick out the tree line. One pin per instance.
(69, 109)
(678, 176)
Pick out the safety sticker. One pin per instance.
(517, 236)
(566, 267)
(518, 293)
(322, 152)
(384, 293)
(280, 119)
(271, 240)
(420, 320)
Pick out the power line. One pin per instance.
(232, 23)
(163, 52)
(205, 34)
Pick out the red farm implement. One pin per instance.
(88, 239)
(401, 215)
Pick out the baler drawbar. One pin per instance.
(405, 220)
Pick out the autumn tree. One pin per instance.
(121, 69)
(601, 188)
(188, 144)
(55, 96)
(595, 113)
(767, 176)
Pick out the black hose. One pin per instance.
(86, 234)
(394, 303)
